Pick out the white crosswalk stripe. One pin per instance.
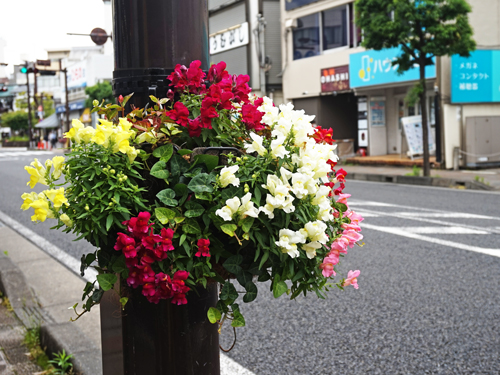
(434, 222)
(9, 154)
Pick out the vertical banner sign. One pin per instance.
(230, 38)
(377, 112)
(412, 127)
(476, 79)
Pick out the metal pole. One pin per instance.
(150, 38)
(65, 71)
(29, 107)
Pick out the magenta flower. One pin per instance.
(203, 249)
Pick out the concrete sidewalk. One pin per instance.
(481, 179)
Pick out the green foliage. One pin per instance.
(61, 362)
(415, 171)
(100, 91)
(48, 105)
(17, 120)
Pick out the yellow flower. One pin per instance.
(28, 199)
(121, 142)
(37, 173)
(58, 164)
(42, 210)
(86, 134)
(132, 153)
(56, 196)
(73, 132)
(125, 124)
(102, 133)
(66, 220)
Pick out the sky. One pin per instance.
(29, 27)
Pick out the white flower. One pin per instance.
(315, 231)
(234, 206)
(288, 242)
(247, 208)
(277, 148)
(310, 248)
(299, 184)
(227, 176)
(270, 111)
(325, 212)
(256, 145)
(229, 209)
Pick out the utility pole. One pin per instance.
(150, 37)
(29, 107)
(65, 71)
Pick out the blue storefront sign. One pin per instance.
(371, 68)
(476, 79)
(74, 106)
(292, 4)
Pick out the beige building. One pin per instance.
(358, 94)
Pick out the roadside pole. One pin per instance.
(29, 110)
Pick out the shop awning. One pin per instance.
(49, 122)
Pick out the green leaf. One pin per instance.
(211, 161)
(120, 265)
(229, 229)
(214, 315)
(191, 226)
(232, 264)
(109, 221)
(257, 195)
(238, 320)
(106, 280)
(182, 239)
(247, 223)
(123, 301)
(279, 288)
(244, 277)
(184, 152)
(228, 292)
(167, 196)
(178, 165)
(159, 170)
(229, 193)
(251, 293)
(194, 209)
(165, 214)
(341, 207)
(201, 183)
(164, 153)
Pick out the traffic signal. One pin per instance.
(23, 69)
(47, 72)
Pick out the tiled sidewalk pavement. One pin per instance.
(14, 358)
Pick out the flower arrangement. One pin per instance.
(210, 184)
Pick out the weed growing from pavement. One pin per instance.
(62, 363)
(481, 180)
(414, 172)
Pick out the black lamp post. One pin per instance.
(150, 37)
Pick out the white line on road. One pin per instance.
(403, 233)
(454, 215)
(442, 230)
(227, 365)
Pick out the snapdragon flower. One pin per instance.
(256, 145)
(242, 208)
(288, 240)
(227, 176)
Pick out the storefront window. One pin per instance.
(306, 37)
(334, 27)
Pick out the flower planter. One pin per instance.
(161, 339)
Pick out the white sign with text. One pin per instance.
(413, 132)
(230, 38)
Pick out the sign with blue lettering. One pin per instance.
(292, 4)
(474, 79)
(371, 68)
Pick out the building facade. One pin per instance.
(359, 94)
(246, 34)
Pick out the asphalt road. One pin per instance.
(428, 298)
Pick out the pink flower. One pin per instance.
(340, 175)
(353, 216)
(352, 279)
(133, 278)
(138, 226)
(343, 198)
(337, 248)
(327, 266)
(203, 249)
(217, 72)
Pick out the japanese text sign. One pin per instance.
(233, 37)
(335, 79)
(476, 79)
(371, 67)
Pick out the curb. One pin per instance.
(422, 181)
(54, 337)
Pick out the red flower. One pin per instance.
(332, 163)
(241, 88)
(203, 249)
(217, 72)
(340, 175)
(208, 112)
(133, 278)
(195, 127)
(252, 117)
(179, 114)
(195, 77)
(126, 244)
(323, 135)
(138, 226)
(178, 77)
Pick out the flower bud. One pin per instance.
(87, 208)
(255, 175)
(120, 99)
(125, 178)
(112, 171)
(245, 157)
(95, 103)
(110, 204)
(238, 159)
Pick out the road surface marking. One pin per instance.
(403, 233)
(454, 215)
(442, 230)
